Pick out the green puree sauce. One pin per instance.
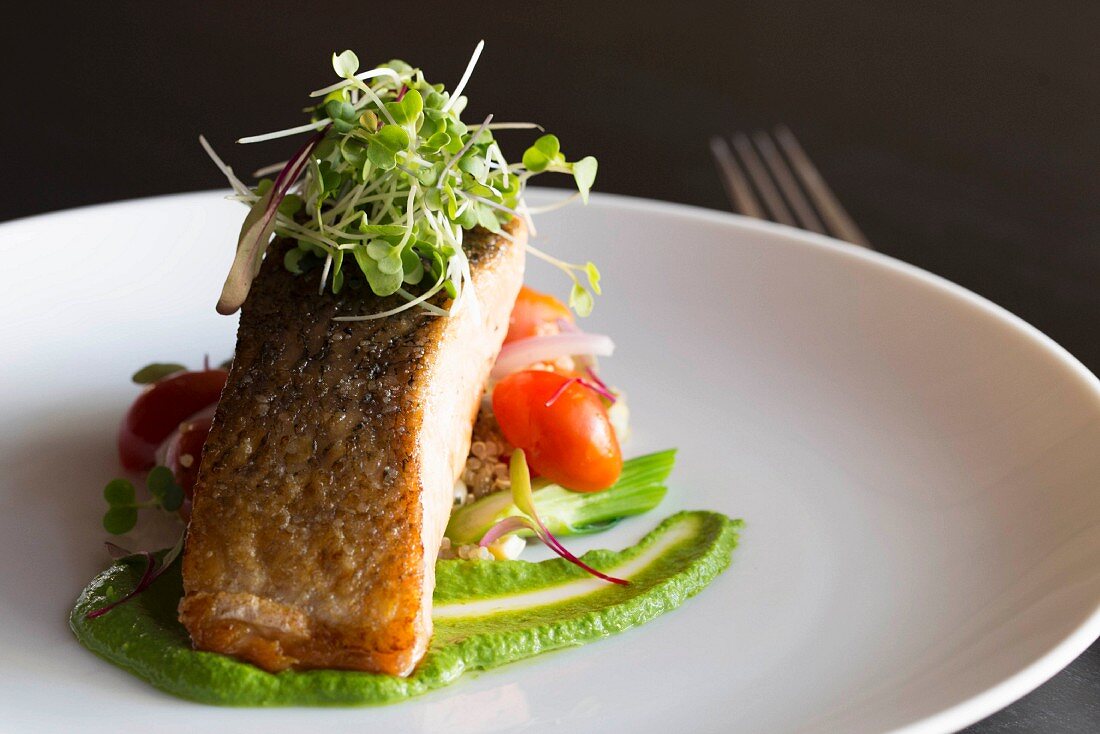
(487, 613)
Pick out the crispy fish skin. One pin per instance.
(328, 475)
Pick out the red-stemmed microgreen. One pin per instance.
(393, 177)
(153, 571)
(600, 386)
(599, 389)
(258, 227)
(528, 519)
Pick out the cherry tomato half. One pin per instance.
(184, 456)
(159, 410)
(535, 314)
(185, 452)
(570, 441)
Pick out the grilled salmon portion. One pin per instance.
(328, 475)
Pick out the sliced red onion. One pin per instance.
(525, 352)
(586, 361)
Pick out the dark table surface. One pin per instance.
(962, 137)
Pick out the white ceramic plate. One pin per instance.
(917, 468)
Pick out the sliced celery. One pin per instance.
(639, 489)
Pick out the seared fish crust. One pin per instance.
(327, 479)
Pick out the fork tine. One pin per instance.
(737, 187)
(837, 219)
(764, 184)
(781, 172)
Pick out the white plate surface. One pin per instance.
(917, 468)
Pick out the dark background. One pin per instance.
(962, 137)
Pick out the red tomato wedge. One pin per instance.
(563, 427)
(160, 409)
(535, 314)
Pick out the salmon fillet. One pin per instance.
(328, 475)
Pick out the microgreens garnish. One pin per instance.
(122, 510)
(528, 519)
(153, 570)
(392, 177)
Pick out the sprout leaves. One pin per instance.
(122, 504)
(394, 176)
(150, 373)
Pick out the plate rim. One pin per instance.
(1054, 660)
(952, 718)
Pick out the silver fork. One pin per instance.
(790, 188)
